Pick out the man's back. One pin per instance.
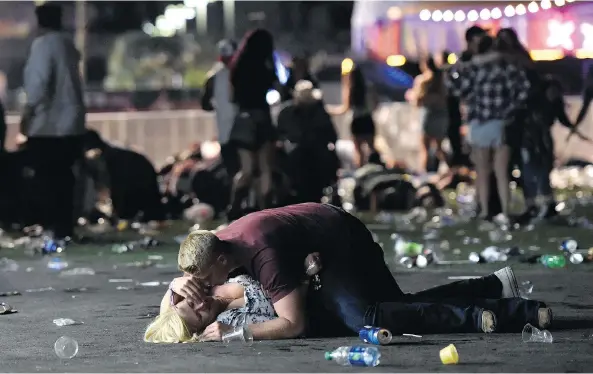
(53, 87)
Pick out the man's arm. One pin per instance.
(36, 79)
(290, 322)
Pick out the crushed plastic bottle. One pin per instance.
(61, 322)
(569, 246)
(493, 254)
(498, 235)
(525, 289)
(355, 356)
(57, 263)
(77, 271)
(8, 265)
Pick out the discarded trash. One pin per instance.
(125, 288)
(44, 289)
(569, 246)
(147, 242)
(77, 271)
(57, 263)
(355, 356)
(493, 254)
(553, 261)
(407, 262)
(121, 280)
(155, 257)
(7, 309)
(53, 246)
(10, 293)
(66, 347)
(239, 334)
(576, 258)
(525, 289)
(7, 264)
(375, 335)
(66, 322)
(77, 290)
(463, 277)
(532, 334)
(152, 284)
(405, 248)
(413, 336)
(449, 355)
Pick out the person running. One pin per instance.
(358, 98)
(357, 287)
(252, 75)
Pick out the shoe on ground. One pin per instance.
(544, 317)
(488, 322)
(510, 287)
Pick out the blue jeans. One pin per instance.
(536, 176)
(358, 289)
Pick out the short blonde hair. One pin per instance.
(169, 327)
(198, 252)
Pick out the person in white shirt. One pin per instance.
(217, 97)
(53, 119)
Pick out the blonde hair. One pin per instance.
(169, 327)
(198, 252)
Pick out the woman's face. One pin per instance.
(196, 316)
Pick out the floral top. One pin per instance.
(258, 307)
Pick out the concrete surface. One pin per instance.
(110, 339)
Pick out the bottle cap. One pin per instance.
(328, 356)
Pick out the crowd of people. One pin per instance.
(494, 89)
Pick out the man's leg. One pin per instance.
(64, 215)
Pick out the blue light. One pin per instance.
(281, 71)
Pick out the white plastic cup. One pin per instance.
(532, 334)
(239, 334)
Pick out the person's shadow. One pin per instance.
(574, 323)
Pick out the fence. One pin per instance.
(159, 134)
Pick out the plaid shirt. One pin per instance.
(490, 86)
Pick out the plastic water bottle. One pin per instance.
(355, 356)
(553, 261)
(57, 263)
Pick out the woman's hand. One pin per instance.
(313, 264)
(189, 287)
(214, 332)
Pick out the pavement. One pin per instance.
(110, 340)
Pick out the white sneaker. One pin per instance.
(488, 322)
(510, 288)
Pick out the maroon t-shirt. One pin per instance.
(272, 244)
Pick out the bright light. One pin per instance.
(394, 13)
(473, 15)
(437, 15)
(451, 59)
(485, 14)
(546, 4)
(460, 16)
(148, 28)
(509, 11)
(559, 2)
(496, 13)
(272, 97)
(533, 7)
(560, 34)
(164, 26)
(587, 32)
(448, 16)
(395, 60)
(520, 10)
(546, 54)
(425, 15)
(347, 66)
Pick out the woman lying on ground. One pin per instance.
(240, 301)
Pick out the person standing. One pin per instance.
(217, 97)
(53, 119)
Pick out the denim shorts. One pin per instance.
(488, 134)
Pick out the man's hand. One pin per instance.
(313, 264)
(214, 332)
(189, 287)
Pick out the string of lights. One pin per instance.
(488, 14)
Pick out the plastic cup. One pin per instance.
(66, 347)
(239, 334)
(449, 355)
(532, 334)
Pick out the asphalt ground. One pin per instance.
(110, 340)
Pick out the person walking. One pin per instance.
(53, 119)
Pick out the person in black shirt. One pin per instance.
(298, 71)
(253, 134)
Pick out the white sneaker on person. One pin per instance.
(510, 287)
(488, 322)
(545, 317)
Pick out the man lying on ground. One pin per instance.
(357, 288)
